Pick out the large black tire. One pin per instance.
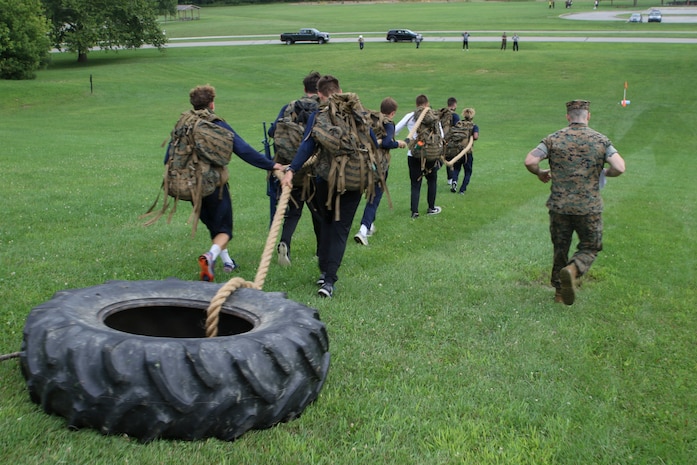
(132, 357)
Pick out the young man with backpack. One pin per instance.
(384, 131)
(424, 155)
(342, 144)
(467, 161)
(216, 207)
(448, 119)
(287, 131)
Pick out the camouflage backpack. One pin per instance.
(197, 157)
(458, 139)
(445, 115)
(348, 158)
(427, 143)
(377, 123)
(290, 128)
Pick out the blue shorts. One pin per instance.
(216, 212)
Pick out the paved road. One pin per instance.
(683, 15)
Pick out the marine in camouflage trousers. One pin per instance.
(589, 229)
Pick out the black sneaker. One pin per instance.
(414, 215)
(326, 291)
(434, 210)
(320, 280)
(453, 187)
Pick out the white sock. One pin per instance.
(215, 251)
(364, 230)
(225, 256)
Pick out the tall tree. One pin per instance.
(24, 42)
(80, 25)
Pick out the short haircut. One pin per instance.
(310, 82)
(388, 105)
(452, 101)
(577, 114)
(201, 96)
(328, 85)
(421, 100)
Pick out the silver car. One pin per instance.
(655, 16)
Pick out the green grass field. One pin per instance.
(446, 345)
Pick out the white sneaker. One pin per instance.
(283, 258)
(360, 238)
(371, 231)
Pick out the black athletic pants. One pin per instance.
(334, 233)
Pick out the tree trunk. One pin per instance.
(82, 57)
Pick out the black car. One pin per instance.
(403, 35)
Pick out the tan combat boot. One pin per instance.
(568, 275)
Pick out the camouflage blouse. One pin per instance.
(576, 156)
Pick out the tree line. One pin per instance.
(30, 28)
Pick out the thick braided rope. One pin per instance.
(213, 312)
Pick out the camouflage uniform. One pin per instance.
(576, 156)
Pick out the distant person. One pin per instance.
(467, 162)
(515, 42)
(360, 42)
(577, 155)
(595, 5)
(465, 40)
(418, 41)
(451, 106)
(503, 41)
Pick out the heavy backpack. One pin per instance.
(377, 123)
(445, 115)
(197, 157)
(458, 139)
(427, 143)
(348, 157)
(290, 128)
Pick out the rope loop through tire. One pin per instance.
(213, 312)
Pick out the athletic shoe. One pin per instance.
(371, 231)
(326, 291)
(283, 257)
(229, 267)
(207, 265)
(320, 280)
(414, 215)
(360, 238)
(453, 187)
(434, 211)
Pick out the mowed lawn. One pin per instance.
(446, 345)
